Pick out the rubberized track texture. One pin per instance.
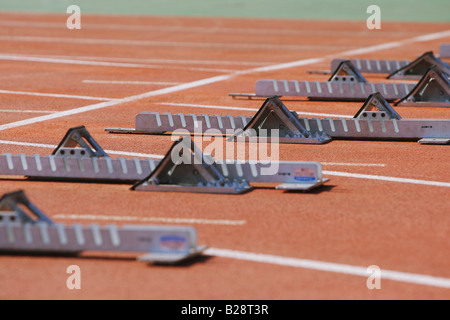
(387, 203)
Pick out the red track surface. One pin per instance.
(359, 222)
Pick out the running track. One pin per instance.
(387, 203)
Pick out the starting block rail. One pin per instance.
(333, 91)
(22, 233)
(197, 172)
(399, 69)
(432, 90)
(157, 123)
(373, 65)
(81, 164)
(69, 162)
(444, 50)
(375, 120)
(384, 124)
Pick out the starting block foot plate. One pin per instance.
(437, 141)
(301, 186)
(197, 189)
(171, 259)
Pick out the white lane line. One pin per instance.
(385, 178)
(9, 57)
(150, 219)
(140, 61)
(354, 164)
(153, 43)
(106, 104)
(246, 109)
(211, 80)
(396, 44)
(55, 95)
(413, 278)
(27, 111)
(134, 154)
(71, 61)
(156, 83)
(364, 50)
(51, 146)
(28, 144)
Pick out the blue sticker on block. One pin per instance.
(305, 179)
(173, 242)
(304, 174)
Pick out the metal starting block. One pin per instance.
(444, 50)
(419, 67)
(398, 69)
(381, 124)
(432, 90)
(372, 65)
(24, 229)
(290, 130)
(346, 84)
(274, 115)
(375, 120)
(77, 157)
(186, 169)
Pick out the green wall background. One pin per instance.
(391, 10)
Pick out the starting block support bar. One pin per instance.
(162, 244)
(69, 162)
(336, 91)
(381, 124)
(196, 172)
(444, 50)
(373, 66)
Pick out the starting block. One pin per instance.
(186, 169)
(444, 50)
(24, 229)
(77, 157)
(419, 67)
(345, 84)
(432, 90)
(376, 120)
(274, 115)
(398, 69)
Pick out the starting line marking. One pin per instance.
(55, 95)
(156, 83)
(246, 109)
(27, 111)
(150, 219)
(330, 267)
(385, 178)
(353, 164)
(161, 61)
(96, 63)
